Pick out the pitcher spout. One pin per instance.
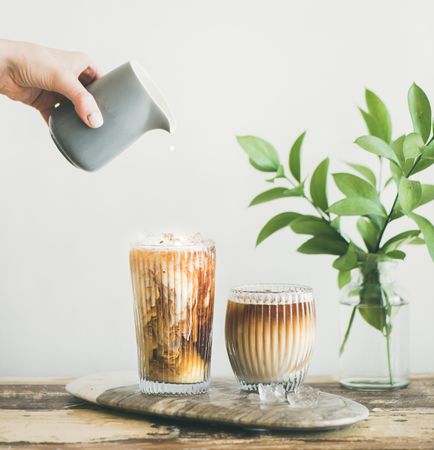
(160, 116)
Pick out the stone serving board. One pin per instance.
(223, 404)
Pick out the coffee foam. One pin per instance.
(172, 242)
(272, 294)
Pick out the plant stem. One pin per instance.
(383, 229)
(388, 329)
(323, 215)
(380, 176)
(380, 236)
(389, 365)
(347, 332)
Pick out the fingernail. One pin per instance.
(95, 119)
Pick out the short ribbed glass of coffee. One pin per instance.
(173, 285)
(270, 331)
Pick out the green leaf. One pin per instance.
(397, 212)
(420, 111)
(428, 151)
(354, 186)
(344, 278)
(295, 157)
(396, 172)
(409, 194)
(371, 295)
(396, 254)
(427, 194)
(423, 164)
(377, 146)
(280, 173)
(408, 166)
(257, 167)
(400, 239)
(369, 232)
(277, 192)
(348, 260)
(427, 158)
(398, 147)
(413, 144)
(313, 225)
(372, 312)
(377, 220)
(262, 154)
(377, 109)
(276, 223)
(336, 223)
(417, 241)
(427, 229)
(323, 245)
(357, 206)
(388, 181)
(374, 128)
(365, 171)
(318, 185)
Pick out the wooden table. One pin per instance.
(38, 413)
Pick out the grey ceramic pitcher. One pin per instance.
(130, 105)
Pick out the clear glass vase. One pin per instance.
(374, 349)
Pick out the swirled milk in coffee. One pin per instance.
(270, 331)
(173, 284)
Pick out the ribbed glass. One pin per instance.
(173, 285)
(270, 331)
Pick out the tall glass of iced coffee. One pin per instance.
(173, 284)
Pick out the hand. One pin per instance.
(41, 77)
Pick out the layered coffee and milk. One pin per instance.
(270, 331)
(173, 284)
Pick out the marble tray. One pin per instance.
(223, 404)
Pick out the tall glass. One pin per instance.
(270, 331)
(173, 284)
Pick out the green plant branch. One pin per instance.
(380, 175)
(380, 236)
(389, 216)
(323, 215)
(264, 158)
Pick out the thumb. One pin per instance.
(68, 85)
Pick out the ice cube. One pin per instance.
(304, 397)
(279, 392)
(265, 392)
(271, 393)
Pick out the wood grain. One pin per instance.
(44, 416)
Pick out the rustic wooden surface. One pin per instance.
(224, 404)
(41, 414)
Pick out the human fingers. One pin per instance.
(66, 83)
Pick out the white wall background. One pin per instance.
(270, 68)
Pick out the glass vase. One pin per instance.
(374, 348)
